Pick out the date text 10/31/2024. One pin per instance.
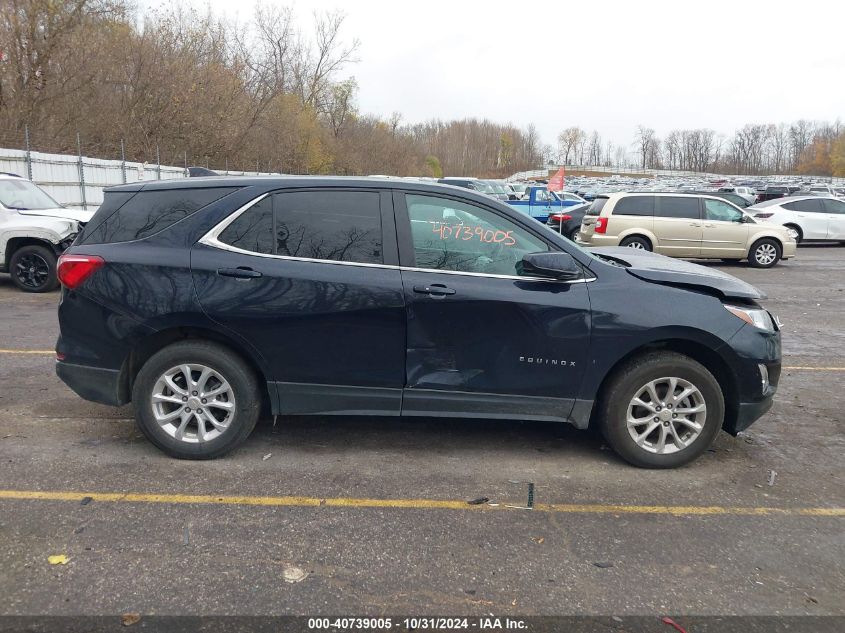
(417, 624)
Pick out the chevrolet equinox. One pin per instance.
(208, 300)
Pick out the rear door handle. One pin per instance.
(435, 290)
(694, 224)
(241, 272)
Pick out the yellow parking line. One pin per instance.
(28, 351)
(419, 504)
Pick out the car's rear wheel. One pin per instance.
(573, 234)
(196, 400)
(794, 232)
(661, 410)
(635, 241)
(33, 269)
(764, 253)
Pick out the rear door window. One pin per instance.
(635, 205)
(813, 205)
(252, 230)
(677, 207)
(342, 226)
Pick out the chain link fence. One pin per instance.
(77, 180)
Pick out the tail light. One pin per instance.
(561, 217)
(601, 225)
(72, 270)
(763, 215)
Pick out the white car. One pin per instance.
(806, 218)
(747, 193)
(34, 230)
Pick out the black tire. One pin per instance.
(573, 234)
(625, 384)
(227, 364)
(636, 241)
(730, 260)
(798, 230)
(33, 269)
(761, 250)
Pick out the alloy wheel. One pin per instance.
(666, 415)
(193, 403)
(32, 270)
(765, 254)
(636, 244)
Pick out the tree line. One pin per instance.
(179, 85)
(803, 147)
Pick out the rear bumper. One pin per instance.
(93, 383)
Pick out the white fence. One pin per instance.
(78, 181)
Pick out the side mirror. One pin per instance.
(555, 265)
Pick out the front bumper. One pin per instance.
(757, 368)
(93, 383)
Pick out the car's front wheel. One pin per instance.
(764, 253)
(196, 400)
(661, 410)
(33, 269)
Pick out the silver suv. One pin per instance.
(34, 230)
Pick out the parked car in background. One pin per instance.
(684, 225)
(733, 198)
(519, 188)
(568, 222)
(499, 191)
(473, 184)
(772, 192)
(747, 193)
(34, 230)
(825, 190)
(539, 202)
(806, 218)
(211, 299)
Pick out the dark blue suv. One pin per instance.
(208, 300)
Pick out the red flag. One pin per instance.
(556, 181)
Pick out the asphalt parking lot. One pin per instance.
(373, 512)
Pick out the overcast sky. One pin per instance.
(603, 65)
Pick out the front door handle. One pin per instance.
(241, 272)
(435, 290)
(694, 224)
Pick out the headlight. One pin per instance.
(758, 317)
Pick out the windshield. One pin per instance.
(519, 187)
(497, 187)
(23, 195)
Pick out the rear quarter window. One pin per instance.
(635, 205)
(147, 212)
(596, 206)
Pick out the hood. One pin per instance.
(65, 214)
(677, 272)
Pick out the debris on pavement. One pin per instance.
(603, 564)
(85, 501)
(671, 622)
(772, 475)
(266, 457)
(128, 619)
(293, 574)
(479, 501)
(58, 559)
